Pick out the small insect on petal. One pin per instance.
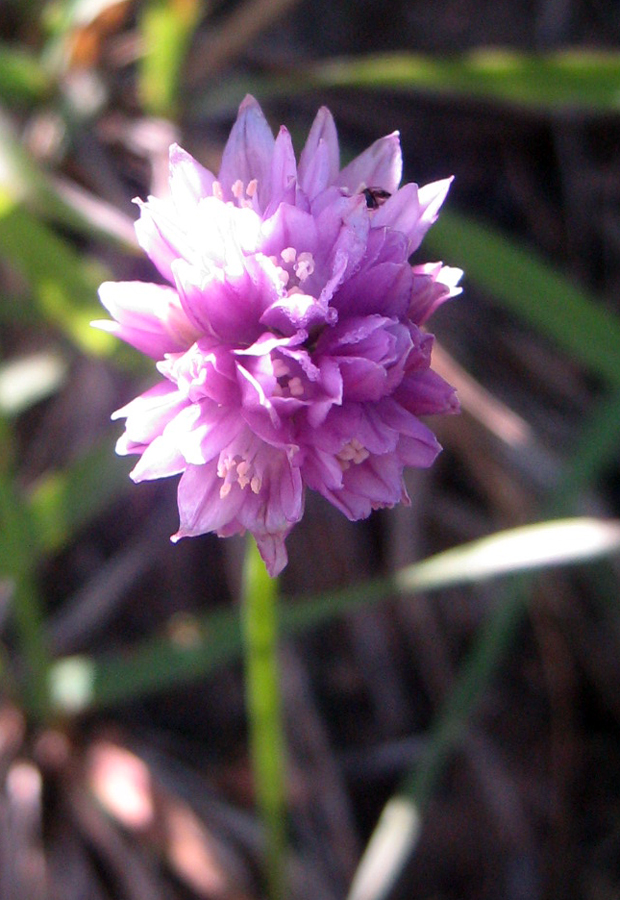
(375, 197)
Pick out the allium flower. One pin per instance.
(289, 335)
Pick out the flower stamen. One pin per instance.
(286, 383)
(352, 452)
(280, 368)
(237, 471)
(304, 267)
(296, 386)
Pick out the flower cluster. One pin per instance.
(288, 335)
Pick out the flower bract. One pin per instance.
(287, 331)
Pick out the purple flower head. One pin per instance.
(288, 336)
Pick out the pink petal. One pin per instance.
(212, 304)
(159, 235)
(201, 507)
(147, 417)
(433, 284)
(401, 212)
(379, 166)
(248, 151)
(189, 181)
(283, 172)
(148, 316)
(273, 552)
(320, 159)
(431, 197)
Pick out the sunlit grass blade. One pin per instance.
(30, 378)
(520, 280)
(23, 80)
(167, 27)
(529, 547)
(158, 663)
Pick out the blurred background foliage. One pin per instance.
(480, 714)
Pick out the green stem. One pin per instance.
(266, 732)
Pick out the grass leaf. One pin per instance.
(161, 662)
(167, 27)
(577, 80)
(520, 280)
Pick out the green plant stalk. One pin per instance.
(264, 711)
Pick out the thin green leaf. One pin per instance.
(595, 450)
(407, 806)
(584, 80)
(521, 281)
(160, 662)
(575, 79)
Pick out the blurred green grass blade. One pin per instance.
(573, 79)
(586, 80)
(558, 542)
(17, 566)
(21, 179)
(521, 281)
(62, 282)
(64, 501)
(23, 182)
(595, 450)
(166, 27)
(23, 80)
(17, 533)
(378, 872)
(156, 663)
(161, 662)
